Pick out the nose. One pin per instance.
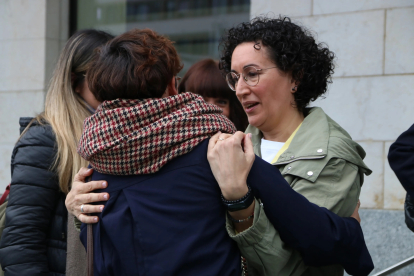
(242, 89)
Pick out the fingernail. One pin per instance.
(105, 196)
(95, 219)
(101, 208)
(250, 135)
(219, 132)
(89, 170)
(104, 184)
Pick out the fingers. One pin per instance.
(213, 141)
(88, 219)
(238, 138)
(82, 174)
(224, 136)
(89, 198)
(248, 146)
(89, 209)
(90, 186)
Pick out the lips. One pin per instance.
(249, 106)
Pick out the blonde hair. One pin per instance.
(64, 109)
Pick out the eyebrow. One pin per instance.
(250, 64)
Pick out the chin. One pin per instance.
(254, 122)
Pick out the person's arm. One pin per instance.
(320, 236)
(401, 159)
(337, 188)
(33, 196)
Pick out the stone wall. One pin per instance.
(31, 35)
(372, 94)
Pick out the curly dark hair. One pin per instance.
(293, 50)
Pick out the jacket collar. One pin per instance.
(311, 140)
(318, 137)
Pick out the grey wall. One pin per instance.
(372, 94)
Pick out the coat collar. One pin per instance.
(318, 137)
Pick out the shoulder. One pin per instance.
(35, 133)
(36, 147)
(405, 140)
(341, 146)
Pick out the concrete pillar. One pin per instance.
(31, 35)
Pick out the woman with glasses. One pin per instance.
(276, 69)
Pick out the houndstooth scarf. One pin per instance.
(126, 137)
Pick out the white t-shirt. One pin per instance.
(269, 149)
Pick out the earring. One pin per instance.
(294, 89)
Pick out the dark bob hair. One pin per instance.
(138, 64)
(205, 78)
(292, 49)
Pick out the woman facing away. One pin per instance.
(164, 215)
(205, 78)
(319, 236)
(35, 239)
(276, 69)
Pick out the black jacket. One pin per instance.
(34, 237)
(401, 159)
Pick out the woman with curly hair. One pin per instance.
(276, 69)
(205, 78)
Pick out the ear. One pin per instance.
(171, 90)
(294, 86)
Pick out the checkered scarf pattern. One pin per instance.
(128, 137)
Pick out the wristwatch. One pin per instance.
(239, 204)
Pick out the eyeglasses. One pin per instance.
(250, 76)
(177, 81)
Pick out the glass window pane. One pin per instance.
(196, 26)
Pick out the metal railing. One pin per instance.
(395, 267)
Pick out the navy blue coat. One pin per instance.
(172, 223)
(168, 223)
(401, 159)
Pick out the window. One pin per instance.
(196, 26)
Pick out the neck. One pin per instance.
(284, 128)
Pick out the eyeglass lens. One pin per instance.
(250, 76)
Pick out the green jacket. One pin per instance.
(323, 164)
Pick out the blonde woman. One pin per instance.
(35, 240)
